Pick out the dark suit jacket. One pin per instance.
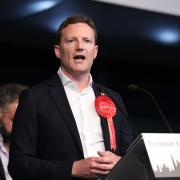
(45, 139)
(2, 175)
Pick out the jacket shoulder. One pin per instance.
(44, 86)
(105, 89)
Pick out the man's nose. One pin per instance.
(79, 46)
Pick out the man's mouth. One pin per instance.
(79, 57)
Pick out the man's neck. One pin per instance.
(81, 80)
(81, 85)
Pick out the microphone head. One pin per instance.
(132, 87)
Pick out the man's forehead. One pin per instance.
(78, 27)
(81, 32)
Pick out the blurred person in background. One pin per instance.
(9, 97)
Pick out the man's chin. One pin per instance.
(81, 71)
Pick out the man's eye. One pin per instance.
(70, 40)
(87, 41)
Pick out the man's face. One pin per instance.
(77, 49)
(7, 115)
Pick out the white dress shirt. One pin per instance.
(4, 154)
(87, 120)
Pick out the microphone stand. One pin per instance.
(135, 87)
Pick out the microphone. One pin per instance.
(136, 88)
(103, 91)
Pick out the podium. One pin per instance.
(136, 165)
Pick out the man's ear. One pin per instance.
(95, 51)
(57, 51)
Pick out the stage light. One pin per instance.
(39, 6)
(167, 35)
(30, 8)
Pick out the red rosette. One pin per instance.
(106, 108)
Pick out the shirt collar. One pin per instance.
(66, 80)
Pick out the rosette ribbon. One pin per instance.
(106, 108)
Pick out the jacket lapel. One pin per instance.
(58, 94)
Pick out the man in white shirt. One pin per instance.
(9, 95)
(58, 132)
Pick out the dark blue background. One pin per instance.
(128, 54)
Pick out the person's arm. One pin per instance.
(23, 161)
